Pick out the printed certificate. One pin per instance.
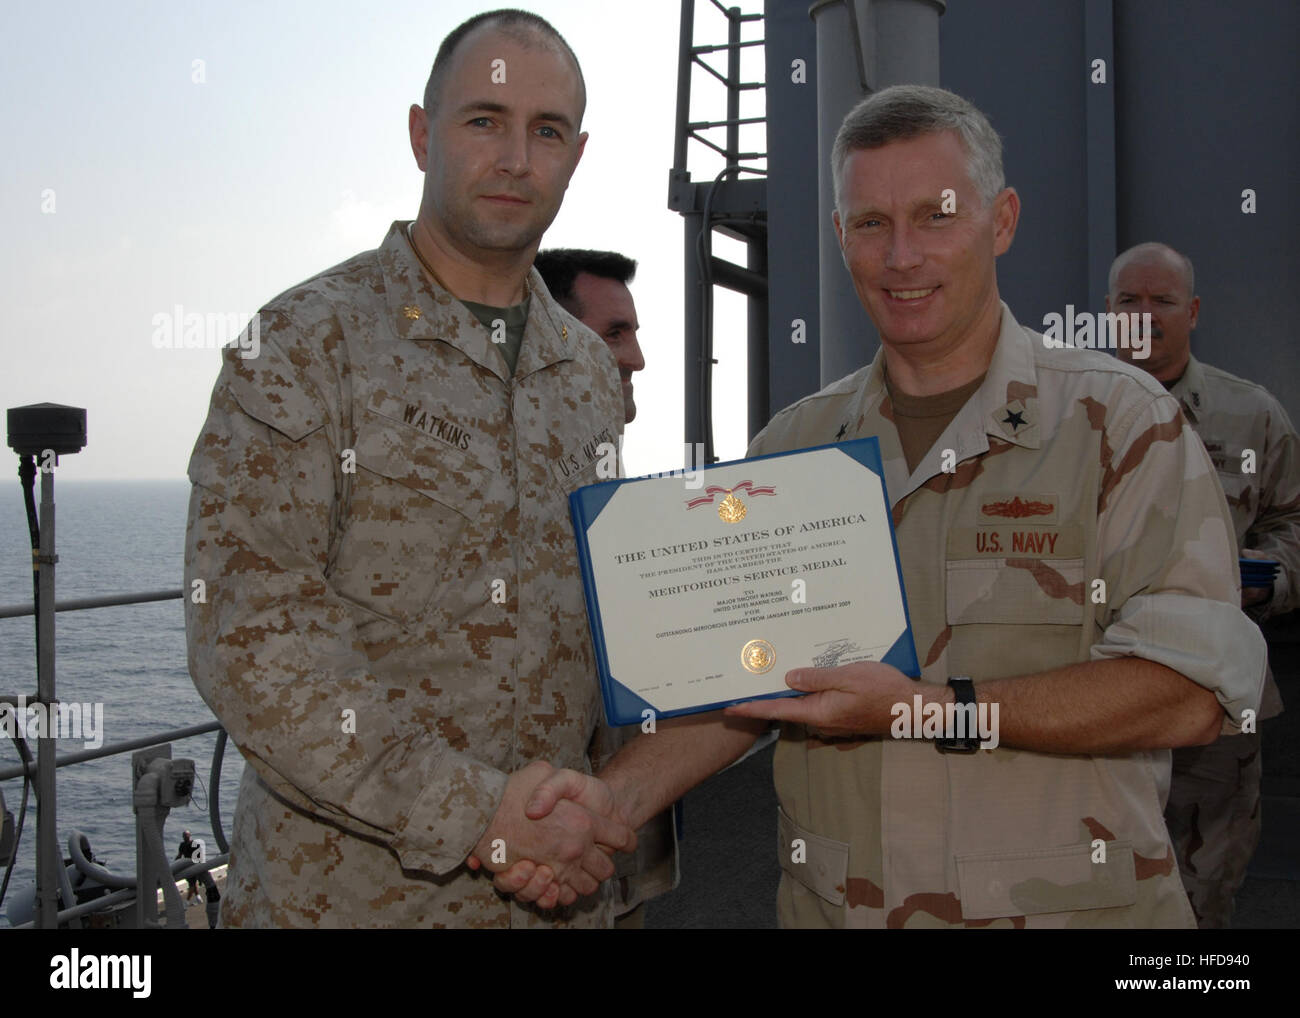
(705, 595)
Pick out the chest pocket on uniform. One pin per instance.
(419, 513)
(1020, 576)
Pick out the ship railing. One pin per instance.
(29, 768)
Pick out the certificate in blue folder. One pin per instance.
(703, 589)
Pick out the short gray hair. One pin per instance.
(1152, 247)
(910, 111)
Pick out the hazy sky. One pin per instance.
(208, 156)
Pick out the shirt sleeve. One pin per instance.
(1167, 556)
(276, 653)
(1276, 528)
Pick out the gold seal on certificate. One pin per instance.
(758, 656)
(691, 589)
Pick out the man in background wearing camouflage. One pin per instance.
(592, 286)
(392, 628)
(1063, 544)
(1214, 800)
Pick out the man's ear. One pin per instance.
(1006, 215)
(417, 124)
(839, 236)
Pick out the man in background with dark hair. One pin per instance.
(592, 286)
(392, 628)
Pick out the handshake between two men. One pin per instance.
(559, 830)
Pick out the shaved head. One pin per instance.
(1154, 252)
(1154, 279)
(523, 27)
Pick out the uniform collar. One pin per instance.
(1191, 392)
(421, 310)
(1009, 394)
(547, 336)
(1004, 408)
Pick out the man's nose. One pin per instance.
(630, 357)
(514, 155)
(904, 252)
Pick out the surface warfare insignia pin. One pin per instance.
(1016, 508)
(1039, 506)
(410, 311)
(731, 509)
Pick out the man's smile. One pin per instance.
(910, 295)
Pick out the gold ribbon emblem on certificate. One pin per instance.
(732, 510)
(758, 656)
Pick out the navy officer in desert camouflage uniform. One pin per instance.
(1067, 556)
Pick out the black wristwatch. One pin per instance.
(963, 690)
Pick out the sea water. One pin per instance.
(112, 537)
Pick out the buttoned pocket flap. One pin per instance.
(825, 862)
(417, 518)
(435, 469)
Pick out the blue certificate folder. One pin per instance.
(623, 705)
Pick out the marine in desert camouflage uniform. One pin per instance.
(1074, 558)
(394, 632)
(1214, 809)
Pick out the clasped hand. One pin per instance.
(558, 829)
(853, 699)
